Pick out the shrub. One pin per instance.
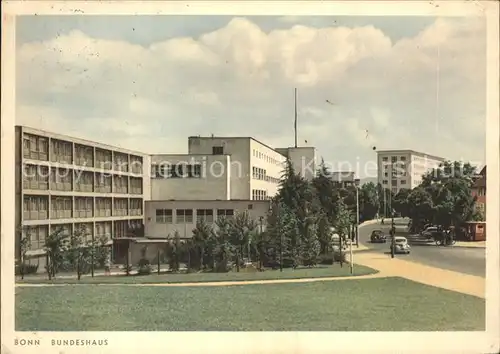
(339, 256)
(28, 269)
(144, 267)
(326, 259)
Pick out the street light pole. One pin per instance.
(357, 214)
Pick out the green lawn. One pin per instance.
(381, 304)
(316, 272)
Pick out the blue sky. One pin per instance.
(148, 82)
(145, 30)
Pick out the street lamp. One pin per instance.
(356, 183)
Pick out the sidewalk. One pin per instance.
(471, 244)
(446, 279)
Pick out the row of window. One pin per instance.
(261, 174)
(258, 194)
(36, 207)
(394, 182)
(37, 177)
(179, 170)
(38, 234)
(166, 216)
(394, 158)
(265, 157)
(37, 148)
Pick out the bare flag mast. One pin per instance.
(295, 124)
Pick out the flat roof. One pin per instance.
(237, 137)
(412, 152)
(45, 133)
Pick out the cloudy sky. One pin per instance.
(146, 83)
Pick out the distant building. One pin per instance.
(399, 169)
(343, 178)
(479, 190)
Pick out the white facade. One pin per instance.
(64, 182)
(399, 169)
(191, 177)
(164, 218)
(236, 168)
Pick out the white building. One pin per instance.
(218, 176)
(226, 168)
(164, 218)
(67, 183)
(398, 169)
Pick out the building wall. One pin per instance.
(400, 169)
(209, 180)
(172, 215)
(267, 167)
(239, 150)
(303, 161)
(67, 183)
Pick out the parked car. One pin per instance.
(429, 232)
(401, 245)
(378, 236)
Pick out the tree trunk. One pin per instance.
(202, 251)
(237, 261)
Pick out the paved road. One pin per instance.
(465, 260)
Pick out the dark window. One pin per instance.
(194, 170)
(384, 181)
(384, 158)
(394, 182)
(225, 212)
(403, 158)
(217, 150)
(386, 174)
(394, 158)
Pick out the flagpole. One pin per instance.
(295, 125)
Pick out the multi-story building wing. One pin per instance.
(399, 169)
(225, 168)
(67, 183)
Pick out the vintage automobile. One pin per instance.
(401, 245)
(378, 236)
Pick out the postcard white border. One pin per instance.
(255, 342)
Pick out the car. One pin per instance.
(401, 245)
(429, 232)
(378, 236)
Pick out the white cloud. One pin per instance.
(240, 79)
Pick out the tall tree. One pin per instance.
(55, 247)
(24, 246)
(241, 228)
(201, 238)
(368, 200)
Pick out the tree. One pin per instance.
(223, 249)
(368, 201)
(55, 247)
(310, 246)
(102, 251)
(400, 202)
(444, 197)
(241, 227)
(283, 234)
(202, 235)
(24, 246)
(79, 251)
(326, 192)
(173, 252)
(342, 225)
